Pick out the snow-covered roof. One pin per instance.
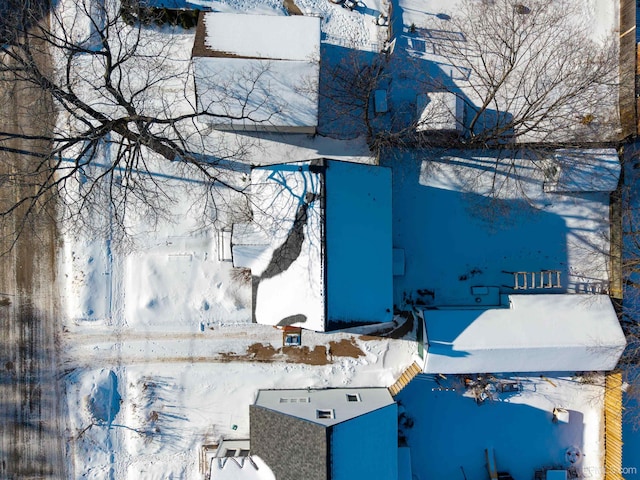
(490, 208)
(439, 112)
(535, 333)
(327, 434)
(587, 170)
(328, 263)
(342, 403)
(271, 37)
(258, 71)
(289, 283)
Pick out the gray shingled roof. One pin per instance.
(294, 448)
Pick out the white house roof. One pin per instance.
(343, 403)
(328, 257)
(490, 207)
(439, 111)
(271, 37)
(291, 283)
(261, 70)
(547, 332)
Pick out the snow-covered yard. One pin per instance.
(160, 353)
(448, 431)
(162, 356)
(450, 46)
(146, 412)
(462, 224)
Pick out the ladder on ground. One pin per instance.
(543, 279)
(408, 375)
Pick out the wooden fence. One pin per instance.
(613, 427)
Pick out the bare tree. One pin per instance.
(527, 72)
(534, 74)
(347, 93)
(122, 97)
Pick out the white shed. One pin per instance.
(538, 332)
(258, 72)
(440, 112)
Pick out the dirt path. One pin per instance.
(132, 348)
(31, 441)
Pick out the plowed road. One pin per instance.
(31, 426)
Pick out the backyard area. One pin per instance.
(159, 353)
(463, 224)
(448, 430)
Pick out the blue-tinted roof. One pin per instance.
(358, 243)
(342, 263)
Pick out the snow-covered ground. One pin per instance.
(143, 407)
(438, 45)
(159, 349)
(517, 425)
(463, 221)
(496, 222)
(162, 355)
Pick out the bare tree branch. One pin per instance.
(114, 106)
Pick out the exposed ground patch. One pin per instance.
(318, 355)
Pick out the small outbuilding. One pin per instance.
(532, 333)
(440, 113)
(257, 72)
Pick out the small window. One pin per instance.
(295, 400)
(230, 452)
(292, 339)
(244, 452)
(324, 414)
(353, 397)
